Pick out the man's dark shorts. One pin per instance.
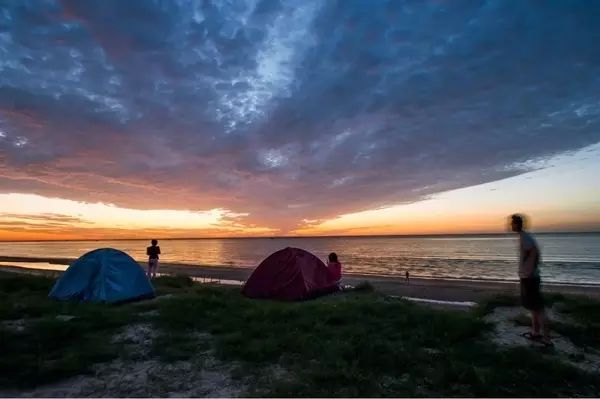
(531, 297)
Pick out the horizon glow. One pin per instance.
(557, 196)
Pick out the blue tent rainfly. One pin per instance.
(103, 275)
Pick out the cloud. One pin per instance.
(45, 218)
(288, 110)
(21, 230)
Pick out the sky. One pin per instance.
(175, 118)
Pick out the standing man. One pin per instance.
(529, 275)
(153, 252)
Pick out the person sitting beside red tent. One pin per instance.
(335, 269)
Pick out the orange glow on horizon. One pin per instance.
(564, 196)
(92, 234)
(71, 220)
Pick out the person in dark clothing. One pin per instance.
(334, 267)
(529, 276)
(153, 252)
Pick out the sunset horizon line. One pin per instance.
(466, 234)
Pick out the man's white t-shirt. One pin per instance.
(526, 244)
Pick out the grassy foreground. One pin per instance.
(355, 344)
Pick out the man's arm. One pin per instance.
(158, 252)
(531, 256)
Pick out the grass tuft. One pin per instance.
(487, 306)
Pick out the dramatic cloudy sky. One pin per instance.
(273, 116)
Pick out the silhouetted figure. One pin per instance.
(153, 252)
(407, 278)
(529, 275)
(335, 268)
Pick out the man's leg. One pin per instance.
(535, 322)
(149, 270)
(540, 311)
(543, 322)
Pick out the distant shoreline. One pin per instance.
(424, 288)
(312, 237)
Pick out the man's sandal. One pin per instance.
(532, 337)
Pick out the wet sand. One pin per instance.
(437, 289)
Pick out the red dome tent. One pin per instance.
(289, 274)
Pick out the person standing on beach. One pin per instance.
(334, 267)
(153, 252)
(529, 275)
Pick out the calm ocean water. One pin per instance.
(567, 258)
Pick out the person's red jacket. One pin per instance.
(335, 271)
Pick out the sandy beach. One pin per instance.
(435, 289)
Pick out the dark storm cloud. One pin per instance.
(288, 110)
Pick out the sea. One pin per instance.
(572, 258)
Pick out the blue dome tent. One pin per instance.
(103, 275)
